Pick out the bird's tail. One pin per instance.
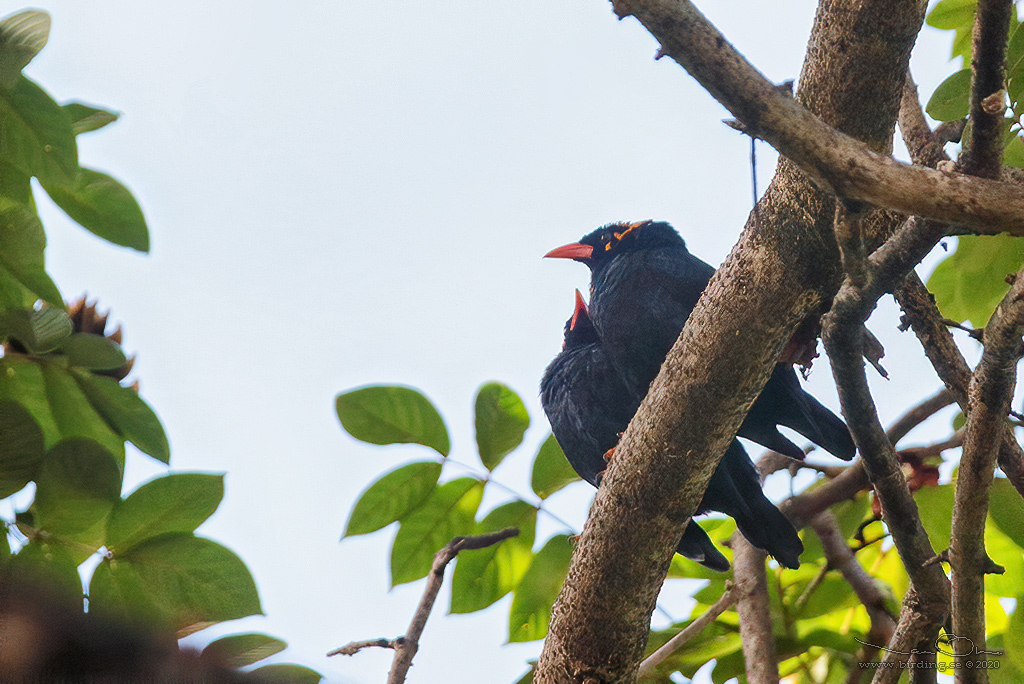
(697, 546)
(757, 518)
(809, 417)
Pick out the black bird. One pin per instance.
(644, 284)
(588, 406)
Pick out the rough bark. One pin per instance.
(785, 267)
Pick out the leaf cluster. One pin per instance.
(66, 414)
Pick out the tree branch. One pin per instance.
(989, 399)
(754, 609)
(724, 602)
(983, 153)
(406, 646)
(837, 162)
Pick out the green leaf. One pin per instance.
(179, 502)
(22, 241)
(239, 650)
(392, 496)
(1015, 62)
(38, 330)
(536, 593)
(175, 581)
(447, 513)
(501, 422)
(1007, 510)
(76, 487)
(74, 413)
(93, 352)
(284, 673)
(970, 283)
(21, 381)
(551, 470)
(951, 100)
(36, 134)
(1013, 155)
(85, 118)
(936, 507)
(125, 411)
(389, 414)
(22, 36)
(482, 576)
(952, 14)
(1005, 552)
(22, 446)
(103, 206)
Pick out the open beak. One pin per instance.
(579, 308)
(575, 250)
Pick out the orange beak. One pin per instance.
(574, 250)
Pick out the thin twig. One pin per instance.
(723, 603)
(918, 414)
(406, 646)
(356, 646)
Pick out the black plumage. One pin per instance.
(588, 406)
(644, 285)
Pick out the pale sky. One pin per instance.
(349, 193)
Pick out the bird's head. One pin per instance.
(608, 241)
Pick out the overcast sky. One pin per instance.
(347, 193)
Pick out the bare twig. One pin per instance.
(354, 647)
(691, 630)
(406, 646)
(924, 146)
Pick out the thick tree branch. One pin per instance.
(840, 163)
(785, 266)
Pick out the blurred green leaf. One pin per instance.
(1003, 551)
(936, 507)
(951, 100)
(551, 470)
(482, 576)
(175, 581)
(284, 673)
(104, 207)
(179, 502)
(38, 330)
(22, 36)
(93, 352)
(1013, 641)
(1013, 155)
(392, 496)
(240, 650)
(85, 118)
(22, 241)
(447, 513)
(74, 414)
(970, 283)
(501, 421)
(21, 381)
(76, 487)
(389, 414)
(832, 594)
(952, 14)
(125, 411)
(1007, 510)
(536, 592)
(36, 134)
(49, 567)
(22, 446)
